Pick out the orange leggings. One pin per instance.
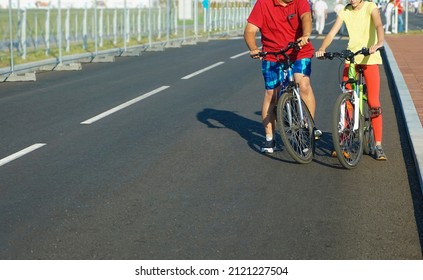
(372, 77)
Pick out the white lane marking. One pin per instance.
(238, 55)
(202, 70)
(21, 153)
(243, 53)
(124, 105)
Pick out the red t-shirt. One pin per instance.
(281, 25)
(400, 8)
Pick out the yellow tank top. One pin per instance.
(362, 31)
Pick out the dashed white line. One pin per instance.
(238, 55)
(124, 105)
(202, 70)
(21, 153)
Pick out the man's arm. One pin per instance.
(250, 39)
(307, 28)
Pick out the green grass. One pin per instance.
(39, 54)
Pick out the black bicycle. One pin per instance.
(294, 121)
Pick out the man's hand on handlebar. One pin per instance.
(255, 53)
(302, 41)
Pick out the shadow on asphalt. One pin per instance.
(252, 132)
(248, 129)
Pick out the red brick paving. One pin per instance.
(407, 50)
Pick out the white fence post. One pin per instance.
(85, 30)
(11, 38)
(23, 33)
(101, 27)
(115, 29)
(67, 30)
(59, 31)
(47, 32)
(395, 21)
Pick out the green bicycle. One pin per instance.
(352, 131)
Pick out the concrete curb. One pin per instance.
(412, 121)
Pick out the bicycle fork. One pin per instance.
(297, 98)
(299, 105)
(357, 98)
(357, 106)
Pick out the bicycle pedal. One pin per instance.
(346, 154)
(317, 134)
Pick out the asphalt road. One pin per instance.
(177, 174)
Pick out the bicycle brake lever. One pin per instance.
(365, 51)
(346, 54)
(328, 55)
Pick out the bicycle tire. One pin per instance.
(348, 144)
(297, 138)
(368, 133)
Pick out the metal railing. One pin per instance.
(55, 35)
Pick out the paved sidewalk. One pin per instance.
(404, 57)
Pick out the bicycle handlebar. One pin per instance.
(291, 45)
(347, 54)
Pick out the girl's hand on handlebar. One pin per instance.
(320, 54)
(374, 48)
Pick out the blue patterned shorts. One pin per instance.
(274, 75)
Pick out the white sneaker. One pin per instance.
(269, 147)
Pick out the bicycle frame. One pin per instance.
(289, 77)
(357, 91)
(293, 85)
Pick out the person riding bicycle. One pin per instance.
(365, 29)
(281, 22)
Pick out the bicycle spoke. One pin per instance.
(347, 141)
(296, 133)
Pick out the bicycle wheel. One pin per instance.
(348, 142)
(368, 136)
(296, 134)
